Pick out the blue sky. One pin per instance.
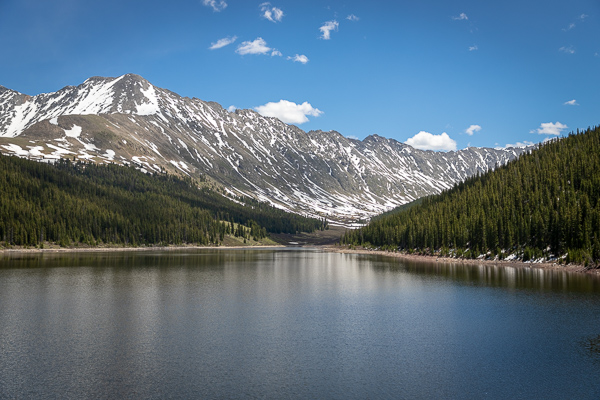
(436, 74)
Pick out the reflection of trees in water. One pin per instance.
(505, 276)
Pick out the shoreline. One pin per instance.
(327, 248)
(116, 249)
(576, 268)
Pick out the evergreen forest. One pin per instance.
(72, 202)
(543, 205)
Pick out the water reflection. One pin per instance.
(504, 276)
(230, 261)
(290, 323)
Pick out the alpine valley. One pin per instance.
(127, 120)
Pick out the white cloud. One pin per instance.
(427, 141)
(273, 14)
(568, 50)
(472, 129)
(571, 103)
(572, 25)
(276, 53)
(231, 108)
(217, 5)
(289, 112)
(257, 46)
(352, 18)
(461, 17)
(301, 58)
(524, 143)
(473, 48)
(327, 28)
(549, 128)
(222, 42)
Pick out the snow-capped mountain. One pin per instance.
(128, 120)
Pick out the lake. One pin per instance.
(292, 323)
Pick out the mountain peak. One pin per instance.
(4, 89)
(126, 94)
(132, 76)
(127, 120)
(107, 79)
(372, 138)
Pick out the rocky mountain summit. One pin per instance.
(127, 120)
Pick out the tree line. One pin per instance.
(76, 202)
(543, 204)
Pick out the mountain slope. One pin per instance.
(545, 204)
(93, 204)
(127, 120)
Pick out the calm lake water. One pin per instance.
(292, 323)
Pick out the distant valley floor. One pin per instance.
(328, 237)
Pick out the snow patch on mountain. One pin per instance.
(74, 132)
(151, 106)
(323, 174)
(16, 149)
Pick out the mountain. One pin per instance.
(545, 205)
(127, 120)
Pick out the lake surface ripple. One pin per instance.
(292, 323)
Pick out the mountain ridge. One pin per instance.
(545, 206)
(127, 120)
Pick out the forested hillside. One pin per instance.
(544, 204)
(69, 203)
